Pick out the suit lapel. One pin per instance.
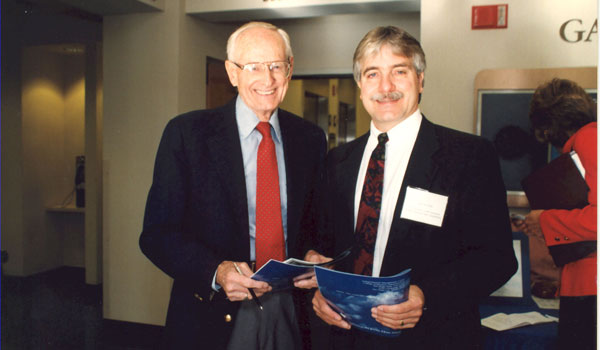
(292, 171)
(421, 172)
(346, 175)
(422, 165)
(347, 169)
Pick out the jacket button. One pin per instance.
(566, 238)
(228, 318)
(198, 297)
(557, 239)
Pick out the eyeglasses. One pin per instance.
(277, 68)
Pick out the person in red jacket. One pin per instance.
(564, 115)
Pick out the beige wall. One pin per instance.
(52, 122)
(43, 118)
(294, 98)
(93, 159)
(317, 86)
(348, 90)
(363, 119)
(198, 39)
(154, 69)
(140, 62)
(71, 224)
(325, 45)
(455, 53)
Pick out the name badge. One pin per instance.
(423, 206)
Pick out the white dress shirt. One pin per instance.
(401, 139)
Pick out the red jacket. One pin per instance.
(567, 226)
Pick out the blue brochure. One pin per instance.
(353, 296)
(281, 275)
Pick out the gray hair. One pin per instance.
(400, 41)
(231, 42)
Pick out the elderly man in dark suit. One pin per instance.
(232, 186)
(412, 194)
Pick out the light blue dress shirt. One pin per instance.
(250, 139)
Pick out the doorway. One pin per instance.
(219, 90)
(332, 103)
(51, 113)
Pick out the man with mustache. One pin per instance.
(413, 194)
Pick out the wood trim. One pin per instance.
(529, 79)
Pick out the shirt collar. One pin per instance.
(395, 134)
(247, 120)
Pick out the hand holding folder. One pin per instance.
(560, 185)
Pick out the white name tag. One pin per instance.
(424, 206)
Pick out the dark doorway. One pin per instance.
(218, 88)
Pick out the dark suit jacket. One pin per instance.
(455, 265)
(197, 214)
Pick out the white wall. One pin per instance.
(154, 66)
(140, 94)
(325, 45)
(455, 53)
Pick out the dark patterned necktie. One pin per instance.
(269, 243)
(369, 208)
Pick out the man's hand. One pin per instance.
(404, 315)
(326, 313)
(308, 283)
(532, 224)
(235, 284)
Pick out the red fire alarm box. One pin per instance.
(489, 17)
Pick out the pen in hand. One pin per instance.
(254, 297)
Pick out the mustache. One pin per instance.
(389, 96)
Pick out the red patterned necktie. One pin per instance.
(369, 208)
(269, 242)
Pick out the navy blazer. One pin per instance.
(197, 214)
(455, 265)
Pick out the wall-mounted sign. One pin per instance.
(489, 16)
(576, 30)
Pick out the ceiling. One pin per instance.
(228, 10)
(89, 9)
(116, 7)
(241, 10)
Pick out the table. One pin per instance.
(539, 336)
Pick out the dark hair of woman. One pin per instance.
(558, 109)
